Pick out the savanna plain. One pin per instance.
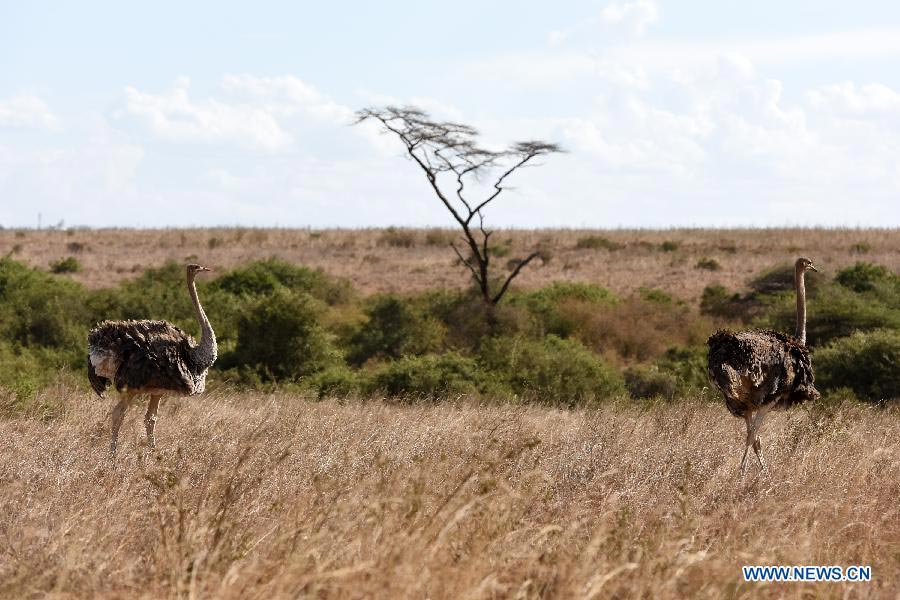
(262, 490)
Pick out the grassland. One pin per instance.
(408, 260)
(257, 495)
(266, 496)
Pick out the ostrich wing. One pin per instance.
(150, 355)
(752, 368)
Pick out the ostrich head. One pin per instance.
(193, 269)
(805, 264)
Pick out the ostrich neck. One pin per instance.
(205, 354)
(800, 284)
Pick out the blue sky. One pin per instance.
(672, 113)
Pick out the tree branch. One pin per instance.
(513, 275)
(465, 262)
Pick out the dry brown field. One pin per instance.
(273, 496)
(410, 260)
(254, 495)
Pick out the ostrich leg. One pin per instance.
(150, 420)
(757, 425)
(749, 419)
(118, 413)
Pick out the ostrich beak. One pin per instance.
(204, 269)
(812, 268)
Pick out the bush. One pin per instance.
(280, 337)
(865, 362)
(834, 312)
(429, 376)
(551, 370)
(649, 382)
(397, 238)
(687, 364)
(334, 381)
(717, 301)
(679, 371)
(635, 329)
(500, 250)
(37, 309)
(669, 246)
(708, 264)
(781, 279)
(466, 319)
(392, 330)
(69, 264)
(596, 242)
(265, 276)
(656, 295)
(863, 277)
(439, 237)
(25, 370)
(547, 306)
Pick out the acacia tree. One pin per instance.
(450, 157)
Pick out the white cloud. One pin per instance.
(26, 111)
(638, 14)
(791, 50)
(288, 95)
(175, 117)
(557, 38)
(872, 99)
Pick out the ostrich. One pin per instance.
(757, 371)
(152, 358)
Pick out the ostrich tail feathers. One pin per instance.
(98, 383)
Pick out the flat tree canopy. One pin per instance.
(450, 156)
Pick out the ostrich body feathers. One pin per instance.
(154, 357)
(757, 368)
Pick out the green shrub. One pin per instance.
(265, 276)
(466, 319)
(551, 370)
(865, 362)
(708, 264)
(335, 381)
(679, 371)
(717, 301)
(547, 306)
(159, 293)
(669, 246)
(863, 276)
(25, 370)
(656, 295)
(596, 242)
(281, 338)
(37, 309)
(69, 264)
(781, 279)
(392, 330)
(643, 382)
(430, 376)
(834, 312)
(687, 364)
(860, 248)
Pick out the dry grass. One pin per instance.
(255, 496)
(414, 260)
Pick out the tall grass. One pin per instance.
(264, 496)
